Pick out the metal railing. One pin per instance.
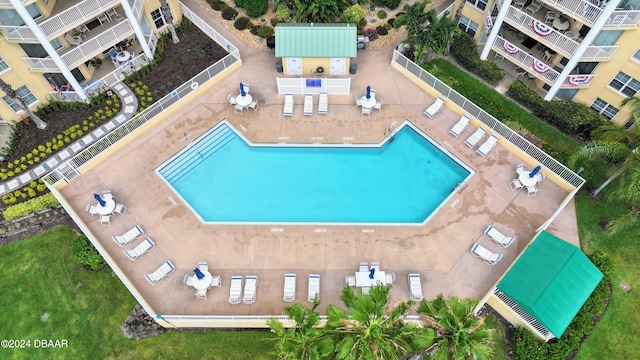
(96, 45)
(623, 18)
(524, 60)
(544, 332)
(491, 122)
(580, 9)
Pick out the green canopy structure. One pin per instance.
(316, 40)
(551, 281)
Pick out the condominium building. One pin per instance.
(587, 51)
(67, 49)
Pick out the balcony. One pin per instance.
(555, 40)
(96, 41)
(588, 11)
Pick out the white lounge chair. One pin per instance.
(415, 286)
(308, 104)
(250, 286)
(129, 236)
(498, 237)
(375, 265)
(323, 104)
(136, 253)
(289, 287)
(364, 267)
(515, 184)
(92, 209)
(389, 278)
(486, 255)
(475, 137)
(488, 145)
(162, 272)
(432, 110)
(314, 287)
(201, 294)
(235, 291)
(350, 280)
(288, 105)
(460, 126)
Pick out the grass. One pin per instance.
(499, 346)
(87, 309)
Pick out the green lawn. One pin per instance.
(87, 309)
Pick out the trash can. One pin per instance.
(279, 66)
(353, 69)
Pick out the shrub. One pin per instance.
(283, 14)
(255, 8)
(218, 5)
(242, 23)
(371, 33)
(85, 254)
(353, 15)
(391, 21)
(391, 4)
(382, 14)
(229, 14)
(28, 207)
(254, 29)
(382, 31)
(264, 31)
(464, 50)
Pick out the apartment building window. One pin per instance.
(629, 124)
(10, 17)
(625, 84)
(480, 4)
(607, 37)
(636, 55)
(468, 26)
(26, 96)
(4, 67)
(158, 18)
(604, 108)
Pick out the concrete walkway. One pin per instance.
(130, 105)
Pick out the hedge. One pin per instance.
(30, 206)
(85, 254)
(255, 8)
(464, 50)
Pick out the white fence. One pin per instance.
(491, 122)
(313, 85)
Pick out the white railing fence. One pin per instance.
(524, 60)
(313, 85)
(491, 122)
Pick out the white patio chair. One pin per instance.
(308, 105)
(415, 287)
(515, 184)
(113, 15)
(389, 278)
(253, 105)
(129, 236)
(366, 111)
(323, 104)
(314, 287)
(520, 72)
(201, 294)
(250, 287)
(216, 281)
(520, 3)
(136, 253)
(73, 40)
(432, 110)
(350, 280)
(82, 30)
(475, 137)
(358, 101)
(460, 126)
(534, 7)
(92, 209)
(488, 145)
(365, 290)
(539, 177)
(235, 290)
(105, 220)
(375, 265)
(203, 266)
(188, 280)
(246, 87)
(486, 255)
(378, 105)
(520, 169)
(532, 191)
(106, 194)
(289, 287)
(239, 109)
(288, 105)
(162, 272)
(500, 239)
(120, 209)
(102, 18)
(550, 16)
(573, 34)
(231, 99)
(364, 267)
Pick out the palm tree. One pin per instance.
(318, 11)
(413, 18)
(306, 340)
(18, 100)
(456, 18)
(459, 333)
(440, 32)
(369, 329)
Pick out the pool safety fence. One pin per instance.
(313, 86)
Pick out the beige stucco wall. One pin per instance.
(310, 65)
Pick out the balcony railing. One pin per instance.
(41, 64)
(623, 18)
(556, 40)
(524, 60)
(582, 10)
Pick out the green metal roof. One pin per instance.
(316, 40)
(551, 281)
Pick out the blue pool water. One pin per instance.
(224, 179)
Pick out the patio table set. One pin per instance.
(105, 207)
(368, 276)
(527, 179)
(202, 280)
(243, 100)
(368, 102)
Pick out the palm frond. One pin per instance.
(623, 222)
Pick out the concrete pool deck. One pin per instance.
(439, 251)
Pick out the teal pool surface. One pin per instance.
(223, 178)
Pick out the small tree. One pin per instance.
(18, 100)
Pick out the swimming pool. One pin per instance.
(224, 178)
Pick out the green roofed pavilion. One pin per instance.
(316, 40)
(551, 281)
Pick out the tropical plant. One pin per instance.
(370, 329)
(413, 18)
(439, 33)
(353, 15)
(306, 340)
(459, 333)
(18, 100)
(318, 11)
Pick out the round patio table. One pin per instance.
(526, 180)
(368, 103)
(244, 101)
(108, 207)
(204, 283)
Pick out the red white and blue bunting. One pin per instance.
(541, 29)
(539, 66)
(510, 48)
(576, 80)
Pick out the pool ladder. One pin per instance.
(390, 131)
(461, 185)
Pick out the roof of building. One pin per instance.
(551, 281)
(316, 40)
